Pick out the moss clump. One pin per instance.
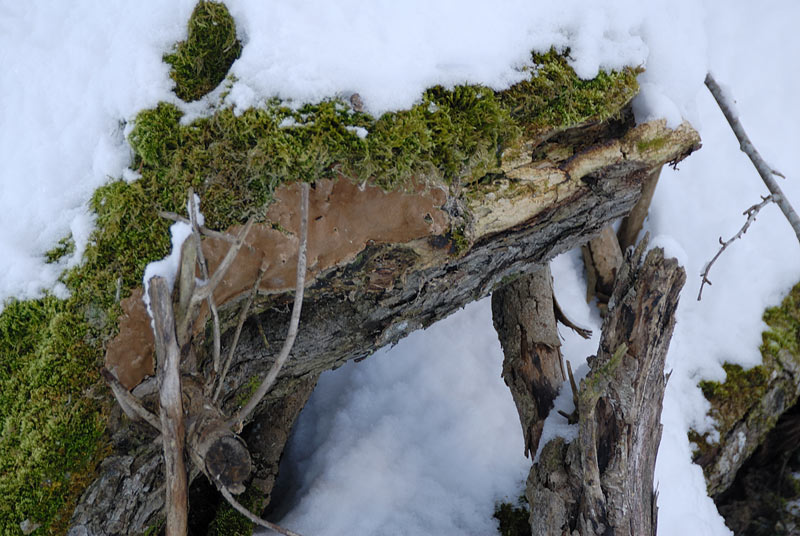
(229, 522)
(65, 247)
(51, 434)
(201, 62)
(513, 519)
(554, 95)
(733, 398)
(782, 339)
(652, 145)
(743, 389)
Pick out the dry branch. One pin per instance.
(764, 170)
(212, 306)
(238, 332)
(524, 317)
(205, 231)
(266, 384)
(255, 519)
(171, 414)
(211, 283)
(131, 405)
(751, 217)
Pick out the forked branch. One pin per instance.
(766, 172)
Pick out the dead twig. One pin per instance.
(764, 170)
(238, 332)
(240, 416)
(212, 306)
(202, 292)
(751, 217)
(252, 517)
(203, 230)
(572, 418)
(131, 405)
(564, 319)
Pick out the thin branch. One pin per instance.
(127, 401)
(751, 217)
(212, 306)
(252, 517)
(238, 332)
(211, 284)
(572, 418)
(265, 386)
(747, 147)
(564, 319)
(204, 230)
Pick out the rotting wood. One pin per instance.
(602, 258)
(343, 319)
(524, 317)
(602, 483)
(631, 225)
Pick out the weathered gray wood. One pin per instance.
(631, 225)
(171, 400)
(602, 258)
(524, 318)
(602, 483)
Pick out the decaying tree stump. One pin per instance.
(602, 483)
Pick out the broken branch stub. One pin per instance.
(524, 317)
(602, 482)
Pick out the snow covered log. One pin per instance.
(602, 482)
(382, 265)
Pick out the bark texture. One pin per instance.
(524, 317)
(602, 483)
(352, 307)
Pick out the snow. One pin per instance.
(423, 438)
(168, 266)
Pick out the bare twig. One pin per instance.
(564, 319)
(751, 217)
(238, 332)
(212, 306)
(252, 517)
(203, 230)
(572, 418)
(749, 149)
(127, 401)
(265, 386)
(211, 284)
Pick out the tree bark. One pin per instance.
(524, 317)
(602, 483)
(631, 225)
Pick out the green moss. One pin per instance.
(782, 339)
(555, 97)
(733, 398)
(652, 145)
(201, 62)
(65, 247)
(513, 519)
(51, 434)
(229, 522)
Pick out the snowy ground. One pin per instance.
(388, 446)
